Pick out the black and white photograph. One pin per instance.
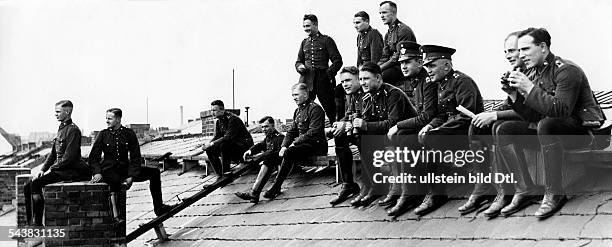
(305, 123)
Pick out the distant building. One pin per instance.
(208, 121)
(140, 129)
(8, 142)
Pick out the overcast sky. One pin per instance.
(116, 53)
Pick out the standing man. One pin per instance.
(122, 163)
(423, 95)
(304, 139)
(62, 164)
(266, 154)
(230, 142)
(349, 77)
(398, 31)
(312, 64)
(483, 133)
(383, 105)
(448, 130)
(369, 40)
(558, 91)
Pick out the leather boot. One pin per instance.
(554, 197)
(394, 189)
(519, 202)
(404, 203)
(474, 202)
(346, 192)
(284, 170)
(38, 208)
(430, 204)
(513, 160)
(501, 200)
(260, 181)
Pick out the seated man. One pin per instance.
(122, 163)
(423, 93)
(349, 78)
(304, 139)
(448, 130)
(266, 154)
(231, 139)
(63, 163)
(555, 101)
(382, 106)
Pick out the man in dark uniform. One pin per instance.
(122, 163)
(349, 77)
(483, 133)
(398, 31)
(304, 139)
(230, 142)
(312, 64)
(63, 163)
(382, 106)
(448, 130)
(555, 98)
(423, 95)
(369, 40)
(266, 154)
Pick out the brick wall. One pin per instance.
(7, 185)
(84, 210)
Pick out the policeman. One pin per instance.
(230, 142)
(312, 64)
(369, 40)
(423, 95)
(556, 90)
(383, 105)
(304, 139)
(398, 31)
(122, 163)
(266, 154)
(448, 130)
(349, 77)
(483, 133)
(62, 164)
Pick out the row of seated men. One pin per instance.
(119, 167)
(550, 107)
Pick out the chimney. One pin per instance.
(181, 115)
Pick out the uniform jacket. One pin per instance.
(230, 128)
(385, 107)
(65, 156)
(561, 91)
(456, 89)
(369, 46)
(121, 151)
(398, 31)
(308, 126)
(269, 147)
(315, 52)
(423, 95)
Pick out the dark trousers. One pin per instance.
(293, 154)
(368, 144)
(345, 157)
(444, 139)
(407, 138)
(229, 151)
(485, 139)
(35, 208)
(324, 89)
(551, 136)
(393, 75)
(115, 178)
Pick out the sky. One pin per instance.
(123, 53)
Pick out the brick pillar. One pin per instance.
(7, 186)
(84, 210)
(20, 182)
